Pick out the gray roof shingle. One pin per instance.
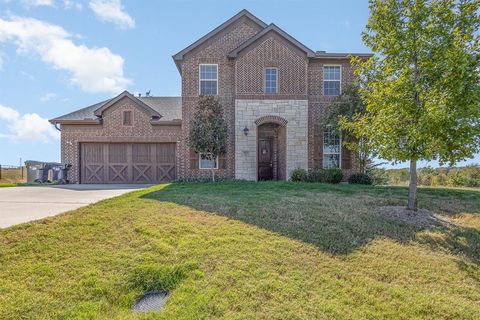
(169, 107)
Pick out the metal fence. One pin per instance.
(9, 173)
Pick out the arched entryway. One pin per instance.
(271, 150)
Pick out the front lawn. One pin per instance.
(247, 251)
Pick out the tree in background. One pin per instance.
(346, 107)
(421, 90)
(208, 131)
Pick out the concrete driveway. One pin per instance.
(23, 204)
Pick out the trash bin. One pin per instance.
(33, 173)
(63, 173)
(42, 172)
(56, 173)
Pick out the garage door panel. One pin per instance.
(166, 172)
(94, 168)
(142, 153)
(94, 173)
(128, 162)
(142, 163)
(118, 173)
(143, 173)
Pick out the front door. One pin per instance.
(265, 163)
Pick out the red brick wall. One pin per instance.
(317, 104)
(242, 78)
(271, 51)
(113, 130)
(213, 51)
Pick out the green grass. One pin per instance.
(247, 251)
(7, 185)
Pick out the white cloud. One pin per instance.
(112, 11)
(92, 69)
(37, 3)
(27, 127)
(28, 75)
(69, 4)
(48, 96)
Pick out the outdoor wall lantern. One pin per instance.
(245, 130)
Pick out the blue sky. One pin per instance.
(60, 55)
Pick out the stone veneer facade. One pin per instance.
(292, 112)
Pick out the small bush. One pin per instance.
(316, 175)
(360, 178)
(299, 175)
(333, 175)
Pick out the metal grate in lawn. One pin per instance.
(151, 301)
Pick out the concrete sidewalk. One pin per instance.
(23, 204)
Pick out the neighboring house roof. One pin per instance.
(169, 109)
(272, 28)
(244, 13)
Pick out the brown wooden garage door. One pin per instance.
(127, 162)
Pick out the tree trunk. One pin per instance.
(412, 188)
(213, 175)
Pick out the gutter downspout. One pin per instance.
(55, 125)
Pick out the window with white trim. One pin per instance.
(271, 80)
(332, 148)
(331, 80)
(207, 161)
(208, 79)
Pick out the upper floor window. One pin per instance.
(127, 118)
(331, 148)
(331, 80)
(271, 80)
(208, 79)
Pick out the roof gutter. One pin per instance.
(174, 122)
(84, 121)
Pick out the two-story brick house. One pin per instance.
(274, 91)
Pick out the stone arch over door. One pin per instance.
(274, 119)
(271, 148)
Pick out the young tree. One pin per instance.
(347, 106)
(208, 131)
(421, 90)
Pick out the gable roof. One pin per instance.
(168, 109)
(272, 28)
(244, 13)
(125, 94)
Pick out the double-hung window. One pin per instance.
(208, 78)
(332, 147)
(271, 80)
(208, 162)
(331, 80)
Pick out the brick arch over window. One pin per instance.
(271, 119)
